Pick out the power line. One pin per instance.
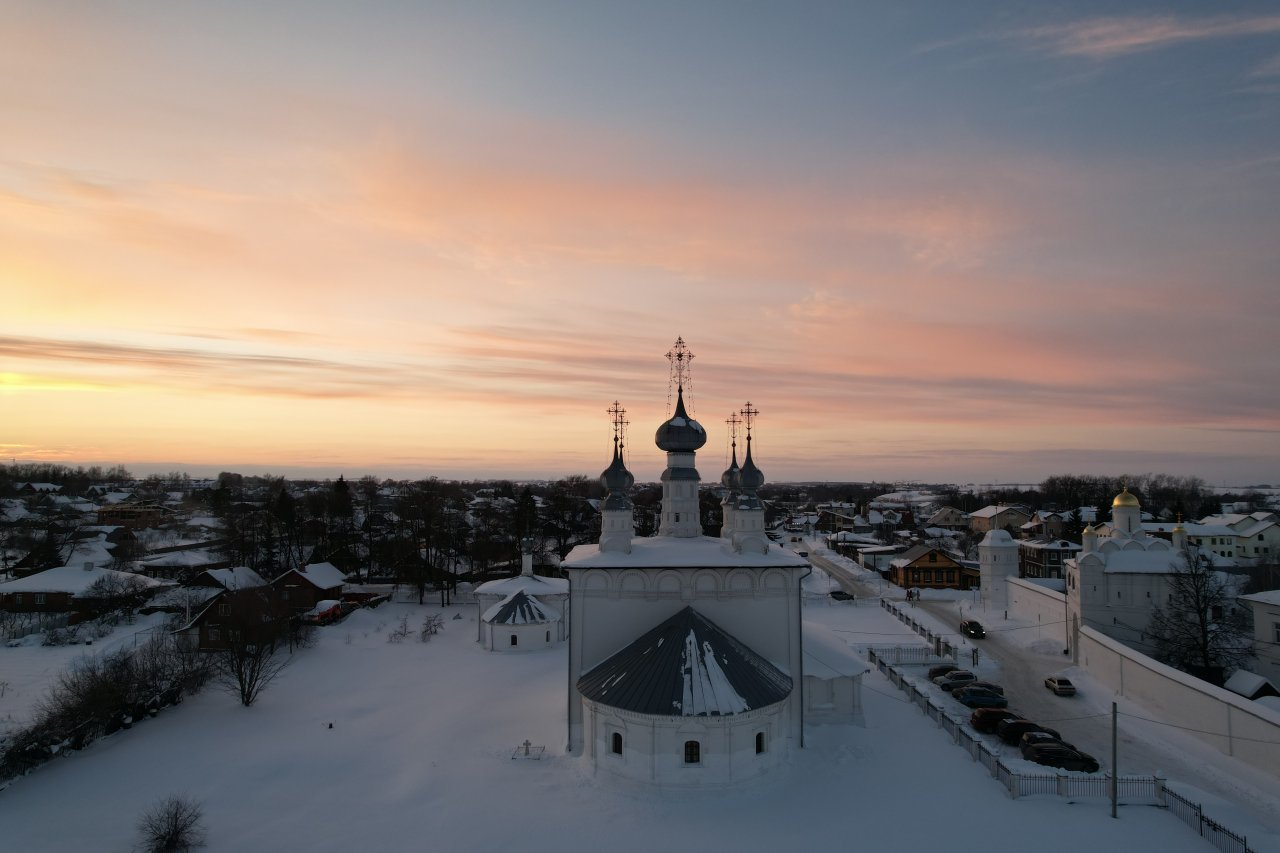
(1202, 731)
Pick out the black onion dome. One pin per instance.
(751, 477)
(680, 433)
(616, 478)
(732, 477)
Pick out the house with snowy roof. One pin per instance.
(997, 517)
(925, 566)
(70, 588)
(301, 589)
(686, 658)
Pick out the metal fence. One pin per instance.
(1209, 829)
(941, 647)
(1130, 790)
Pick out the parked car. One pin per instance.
(955, 678)
(941, 669)
(1059, 685)
(324, 613)
(972, 628)
(841, 595)
(1060, 755)
(976, 697)
(1011, 731)
(988, 685)
(986, 719)
(1032, 740)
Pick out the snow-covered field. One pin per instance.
(419, 756)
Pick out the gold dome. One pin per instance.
(1124, 499)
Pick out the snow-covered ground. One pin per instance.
(27, 670)
(419, 755)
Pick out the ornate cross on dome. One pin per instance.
(733, 420)
(680, 359)
(749, 413)
(619, 417)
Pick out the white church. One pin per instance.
(686, 658)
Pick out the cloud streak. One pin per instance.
(1109, 37)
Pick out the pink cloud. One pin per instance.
(1107, 37)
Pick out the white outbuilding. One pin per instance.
(542, 604)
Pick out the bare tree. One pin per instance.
(244, 669)
(249, 659)
(1200, 630)
(173, 825)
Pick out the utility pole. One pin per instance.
(1114, 770)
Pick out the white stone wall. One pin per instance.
(653, 747)
(1038, 605)
(1230, 723)
(530, 637)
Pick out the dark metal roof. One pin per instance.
(518, 609)
(686, 667)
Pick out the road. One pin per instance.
(1021, 671)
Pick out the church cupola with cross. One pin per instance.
(617, 513)
(680, 436)
(748, 513)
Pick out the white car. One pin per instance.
(1059, 685)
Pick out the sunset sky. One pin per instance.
(968, 242)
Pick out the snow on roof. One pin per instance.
(1255, 528)
(826, 655)
(686, 667)
(188, 558)
(240, 577)
(1052, 545)
(530, 584)
(1271, 596)
(992, 511)
(73, 579)
(520, 608)
(679, 552)
(323, 575)
(182, 596)
(1246, 683)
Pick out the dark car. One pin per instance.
(972, 628)
(1034, 740)
(841, 595)
(941, 669)
(955, 678)
(1011, 731)
(988, 685)
(976, 697)
(986, 719)
(1061, 755)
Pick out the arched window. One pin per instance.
(513, 639)
(615, 743)
(548, 636)
(759, 742)
(692, 752)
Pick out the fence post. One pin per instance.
(1160, 791)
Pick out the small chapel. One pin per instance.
(685, 650)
